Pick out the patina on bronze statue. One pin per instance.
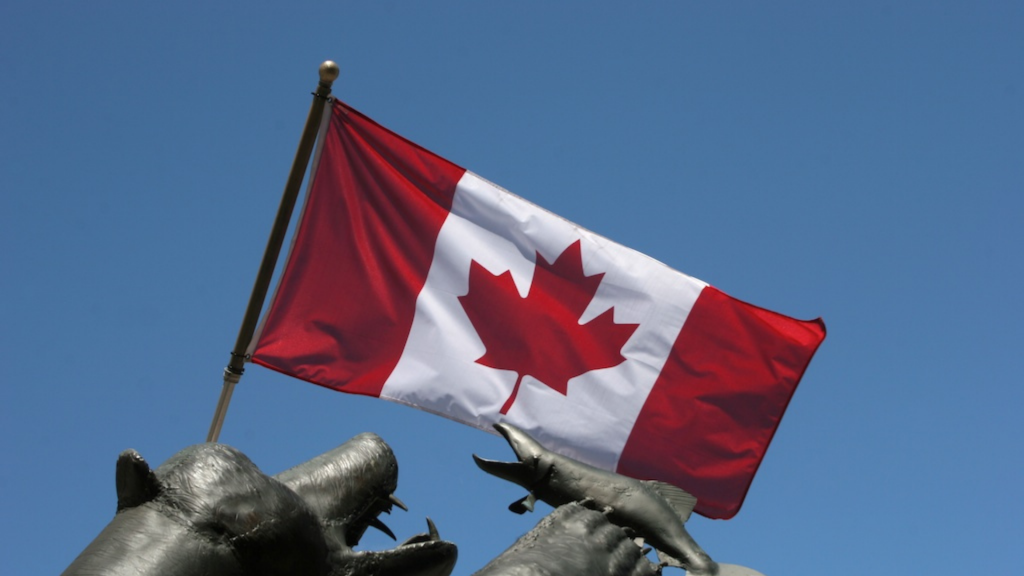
(210, 510)
(654, 511)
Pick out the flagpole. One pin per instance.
(236, 365)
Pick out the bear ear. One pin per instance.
(136, 483)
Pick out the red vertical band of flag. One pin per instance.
(719, 400)
(364, 245)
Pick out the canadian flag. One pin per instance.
(417, 281)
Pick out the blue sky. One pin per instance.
(858, 161)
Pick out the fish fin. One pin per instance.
(524, 504)
(680, 500)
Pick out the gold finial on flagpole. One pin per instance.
(328, 72)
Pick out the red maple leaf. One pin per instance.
(541, 335)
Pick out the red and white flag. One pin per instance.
(417, 281)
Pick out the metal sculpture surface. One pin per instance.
(572, 540)
(209, 510)
(654, 511)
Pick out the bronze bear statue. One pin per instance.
(210, 510)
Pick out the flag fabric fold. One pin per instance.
(415, 280)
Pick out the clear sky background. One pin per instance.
(858, 161)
